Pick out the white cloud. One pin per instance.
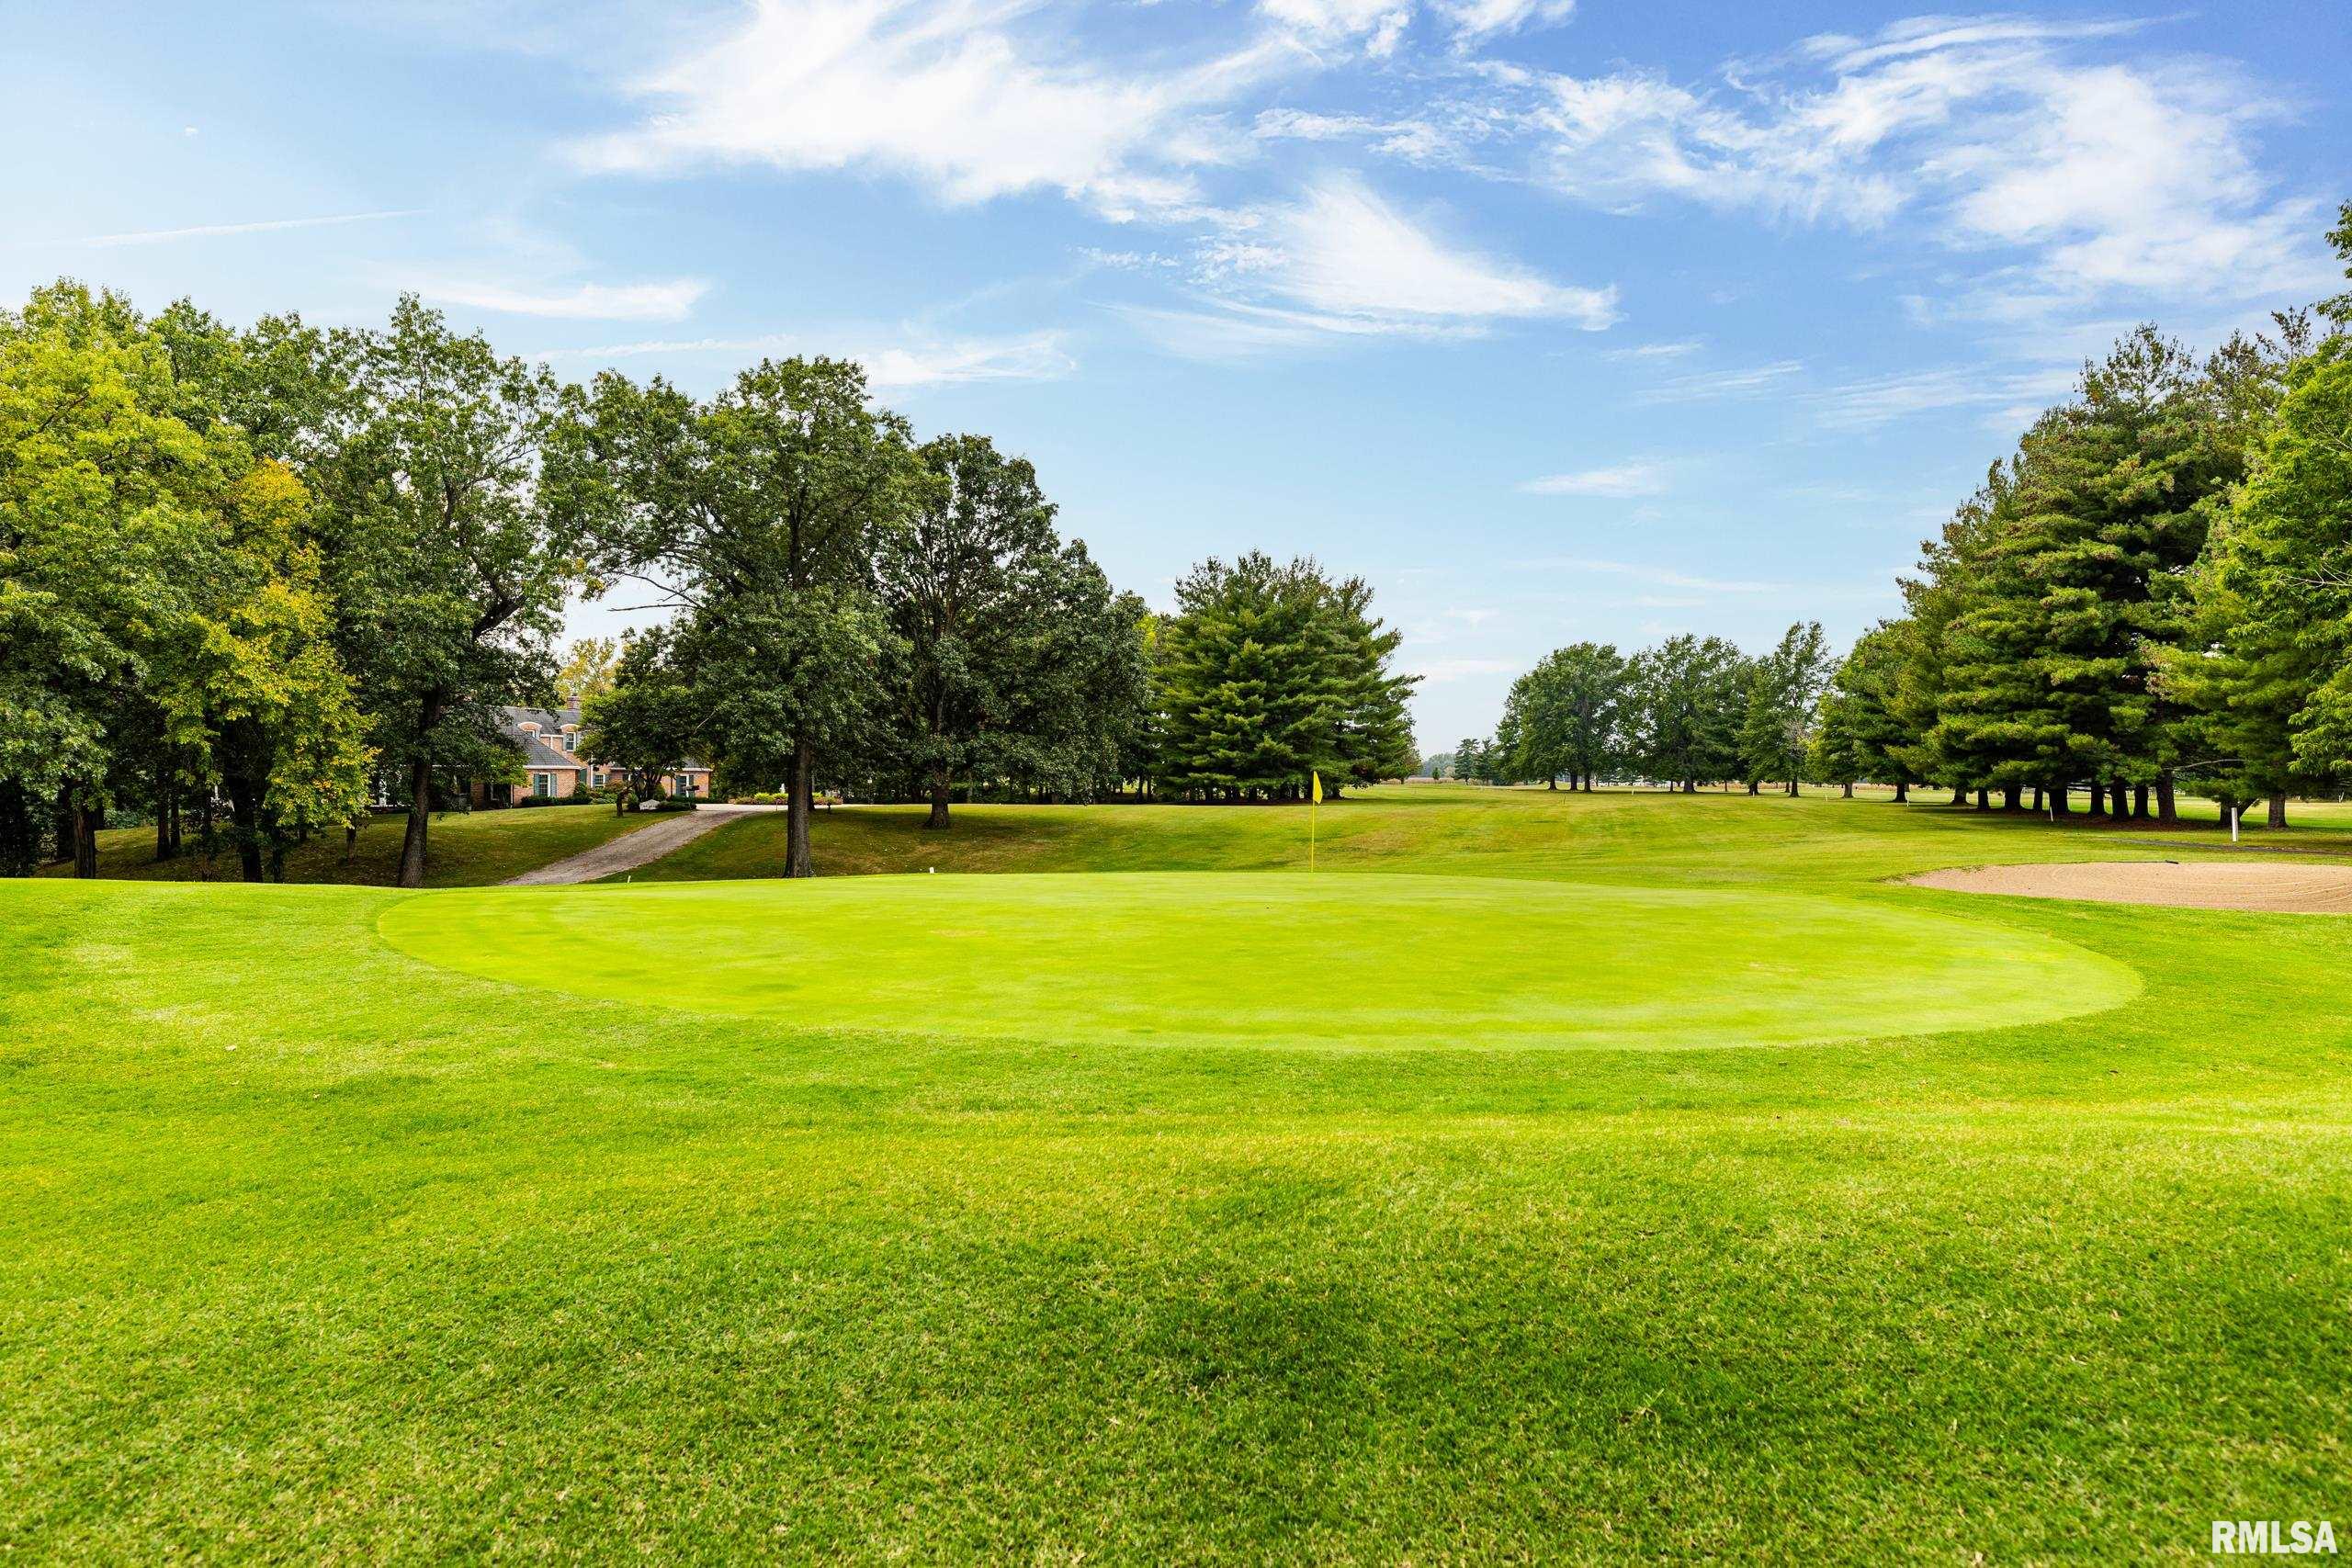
(1624, 479)
(207, 230)
(1987, 134)
(1034, 357)
(667, 301)
(1357, 263)
(1380, 23)
(942, 91)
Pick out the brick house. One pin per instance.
(553, 770)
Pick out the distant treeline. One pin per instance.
(254, 582)
(1692, 710)
(2151, 595)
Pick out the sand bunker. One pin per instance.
(2269, 885)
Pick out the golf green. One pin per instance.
(1335, 960)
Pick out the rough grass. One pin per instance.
(464, 849)
(308, 1249)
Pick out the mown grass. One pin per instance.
(465, 849)
(308, 1248)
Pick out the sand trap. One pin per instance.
(2269, 886)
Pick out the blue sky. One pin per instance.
(1556, 321)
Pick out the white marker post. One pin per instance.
(2235, 815)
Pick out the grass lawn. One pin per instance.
(464, 849)
(900, 1240)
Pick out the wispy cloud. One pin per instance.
(1657, 576)
(1700, 385)
(1034, 357)
(2014, 396)
(1679, 349)
(209, 231)
(671, 300)
(1437, 672)
(1624, 479)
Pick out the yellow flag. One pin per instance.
(1319, 787)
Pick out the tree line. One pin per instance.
(257, 582)
(1691, 711)
(2151, 596)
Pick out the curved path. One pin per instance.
(2265, 885)
(642, 847)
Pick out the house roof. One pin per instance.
(539, 754)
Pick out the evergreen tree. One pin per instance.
(2280, 584)
(1268, 673)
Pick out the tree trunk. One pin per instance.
(2167, 807)
(2098, 807)
(350, 841)
(1960, 795)
(2277, 816)
(63, 820)
(163, 822)
(938, 817)
(1552, 782)
(244, 809)
(87, 820)
(1849, 789)
(420, 821)
(1902, 792)
(2012, 797)
(18, 851)
(1754, 787)
(2037, 800)
(797, 861)
(2058, 800)
(2139, 803)
(2118, 805)
(1983, 798)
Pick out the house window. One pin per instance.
(543, 784)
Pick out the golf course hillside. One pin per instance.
(1542, 1178)
(469, 848)
(1613, 835)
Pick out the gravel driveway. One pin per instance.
(639, 848)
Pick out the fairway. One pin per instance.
(1273, 959)
(1566, 1179)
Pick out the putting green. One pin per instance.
(1269, 959)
